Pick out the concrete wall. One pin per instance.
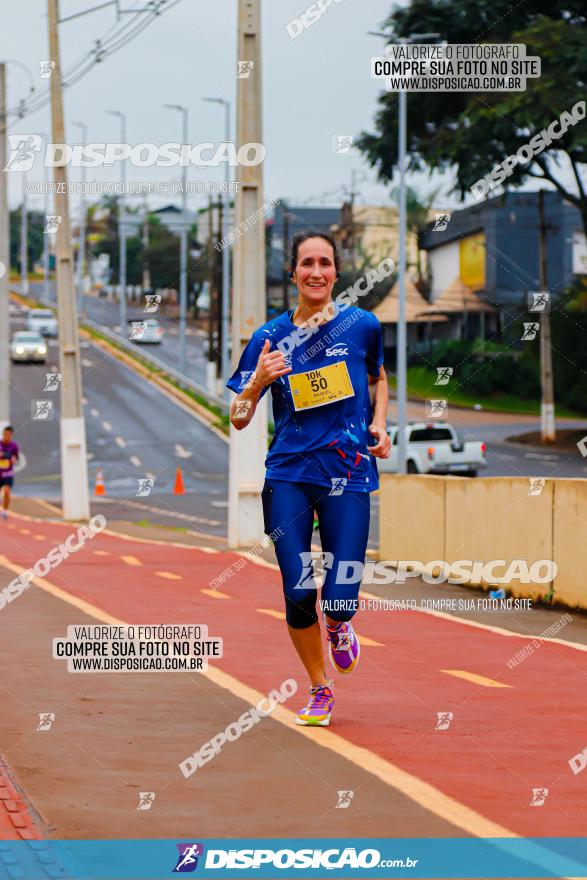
(428, 518)
(570, 541)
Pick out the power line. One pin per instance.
(103, 47)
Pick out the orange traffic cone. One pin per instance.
(100, 488)
(179, 488)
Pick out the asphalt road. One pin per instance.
(105, 311)
(134, 431)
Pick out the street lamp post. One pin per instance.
(121, 226)
(24, 232)
(183, 246)
(225, 251)
(401, 332)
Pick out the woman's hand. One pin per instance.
(382, 448)
(270, 366)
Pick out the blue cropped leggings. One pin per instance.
(344, 529)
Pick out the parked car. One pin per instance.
(149, 331)
(28, 346)
(42, 321)
(434, 448)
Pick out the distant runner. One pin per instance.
(8, 457)
(319, 360)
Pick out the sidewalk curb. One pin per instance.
(17, 818)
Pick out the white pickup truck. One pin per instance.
(434, 448)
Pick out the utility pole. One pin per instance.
(248, 448)
(4, 260)
(547, 422)
(122, 226)
(352, 219)
(285, 255)
(74, 465)
(81, 252)
(24, 235)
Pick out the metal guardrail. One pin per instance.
(182, 380)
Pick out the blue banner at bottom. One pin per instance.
(281, 857)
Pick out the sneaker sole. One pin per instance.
(304, 723)
(355, 663)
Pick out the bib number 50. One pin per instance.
(317, 381)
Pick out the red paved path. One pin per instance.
(502, 742)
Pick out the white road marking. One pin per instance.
(87, 363)
(85, 401)
(542, 456)
(170, 513)
(219, 503)
(107, 426)
(134, 459)
(181, 452)
(175, 400)
(95, 412)
(120, 442)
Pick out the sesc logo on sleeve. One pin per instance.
(322, 386)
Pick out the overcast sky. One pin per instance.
(315, 86)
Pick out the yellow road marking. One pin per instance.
(422, 793)
(278, 614)
(215, 594)
(497, 630)
(80, 604)
(169, 575)
(370, 643)
(100, 552)
(40, 537)
(48, 505)
(131, 560)
(476, 679)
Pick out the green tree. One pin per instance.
(469, 133)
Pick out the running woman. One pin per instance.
(319, 360)
(8, 458)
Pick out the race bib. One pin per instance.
(322, 386)
(4, 463)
